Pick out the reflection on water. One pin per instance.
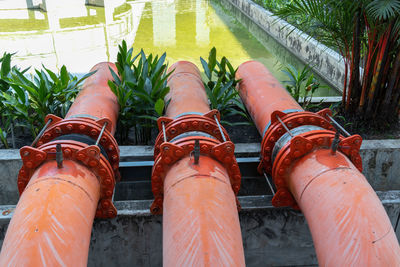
(80, 36)
(77, 36)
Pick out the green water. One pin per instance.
(81, 36)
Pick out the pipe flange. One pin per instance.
(291, 120)
(172, 152)
(89, 156)
(299, 146)
(84, 126)
(203, 123)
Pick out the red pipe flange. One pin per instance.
(167, 153)
(89, 156)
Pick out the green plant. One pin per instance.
(140, 86)
(301, 84)
(220, 87)
(45, 93)
(366, 33)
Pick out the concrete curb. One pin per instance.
(324, 61)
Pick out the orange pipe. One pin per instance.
(201, 224)
(262, 101)
(96, 100)
(52, 222)
(348, 223)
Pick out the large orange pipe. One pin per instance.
(201, 224)
(52, 222)
(348, 223)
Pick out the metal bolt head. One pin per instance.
(217, 152)
(26, 153)
(93, 152)
(114, 157)
(195, 124)
(47, 136)
(82, 127)
(297, 153)
(172, 131)
(159, 168)
(110, 148)
(69, 127)
(203, 148)
(107, 181)
(206, 125)
(58, 130)
(184, 126)
(105, 204)
(281, 171)
(227, 159)
(80, 156)
(109, 193)
(93, 163)
(93, 132)
(166, 148)
(39, 157)
(167, 160)
(29, 164)
(67, 152)
(308, 146)
(110, 213)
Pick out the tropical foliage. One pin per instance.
(220, 84)
(301, 84)
(140, 86)
(366, 33)
(27, 99)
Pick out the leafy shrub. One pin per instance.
(221, 90)
(26, 102)
(140, 89)
(301, 83)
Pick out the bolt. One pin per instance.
(203, 148)
(217, 152)
(26, 153)
(39, 157)
(92, 152)
(29, 164)
(172, 131)
(280, 130)
(228, 149)
(109, 193)
(20, 184)
(297, 142)
(267, 159)
(47, 136)
(69, 127)
(184, 126)
(312, 120)
(93, 163)
(103, 140)
(268, 149)
(308, 146)
(195, 124)
(22, 172)
(297, 153)
(357, 141)
(206, 125)
(286, 161)
(58, 130)
(300, 120)
(93, 132)
(80, 156)
(110, 148)
(114, 158)
(67, 152)
(320, 141)
(110, 213)
(166, 148)
(281, 171)
(236, 188)
(179, 153)
(107, 181)
(167, 160)
(156, 178)
(272, 139)
(105, 204)
(82, 127)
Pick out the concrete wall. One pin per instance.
(381, 161)
(271, 236)
(324, 61)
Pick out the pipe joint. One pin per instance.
(88, 155)
(101, 154)
(293, 135)
(180, 145)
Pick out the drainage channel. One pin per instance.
(135, 181)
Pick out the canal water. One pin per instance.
(79, 36)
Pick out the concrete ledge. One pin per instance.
(381, 161)
(134, 237)
(324, 61)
